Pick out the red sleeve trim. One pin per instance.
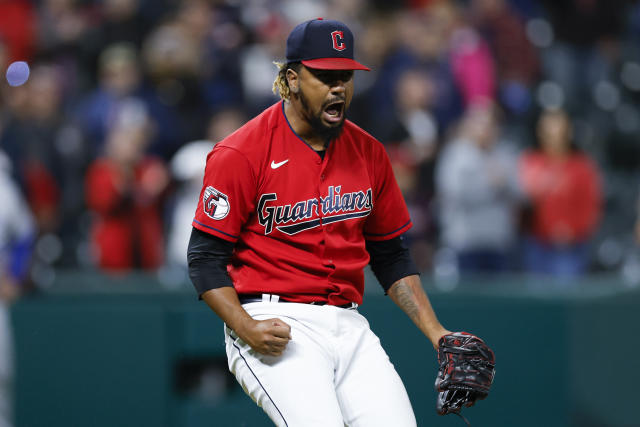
(386, 236)
(208, 229)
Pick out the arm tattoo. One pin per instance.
(406, 299)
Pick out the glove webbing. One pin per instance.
(478, 364)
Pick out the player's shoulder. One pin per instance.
(249, 143)
(358, 133)
(253, 135)
(362, 139)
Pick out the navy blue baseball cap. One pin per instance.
(323, 44)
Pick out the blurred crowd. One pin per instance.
(511, 125)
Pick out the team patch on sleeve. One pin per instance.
(215, 203)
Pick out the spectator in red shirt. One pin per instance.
(125, 189)
(17, 29)
(563, 186)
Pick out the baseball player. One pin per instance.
(293, 206)
(17, 234)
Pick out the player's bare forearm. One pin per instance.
(225, 303)
(409, 295)
(267, 336)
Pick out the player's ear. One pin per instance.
(292, 80)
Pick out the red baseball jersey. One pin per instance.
(299, 221)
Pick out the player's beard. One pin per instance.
(327, 133)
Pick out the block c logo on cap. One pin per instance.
(338, 40)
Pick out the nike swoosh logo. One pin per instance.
(275, 165)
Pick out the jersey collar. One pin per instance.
(326, 145)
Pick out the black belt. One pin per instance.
(247, 298)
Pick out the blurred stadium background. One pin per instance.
(513, 129)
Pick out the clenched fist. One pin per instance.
(269, 337)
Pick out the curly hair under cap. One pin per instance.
(280, 84)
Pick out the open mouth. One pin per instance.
(334, 112)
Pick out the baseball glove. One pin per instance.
(466, 371)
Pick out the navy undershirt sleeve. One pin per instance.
(390, 261)
(208, 257)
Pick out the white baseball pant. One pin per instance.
(333, 372)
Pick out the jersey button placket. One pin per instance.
(321, 187)
(326, 261)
